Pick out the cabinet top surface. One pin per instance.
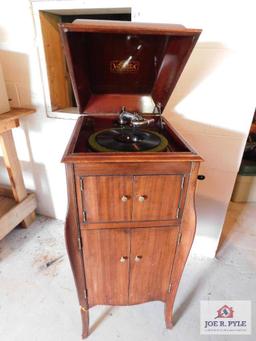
(79, 149)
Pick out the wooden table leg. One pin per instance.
(14, 171)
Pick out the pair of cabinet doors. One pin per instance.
(128, 266)
(126, 198)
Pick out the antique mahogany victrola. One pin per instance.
(131, 177)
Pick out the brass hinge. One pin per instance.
(79, 243)
(182, 182)
(179, 237)
(177, 212)
(81, 184)
(85, 293)
(169, 288)
(84, 216)
(179, 204)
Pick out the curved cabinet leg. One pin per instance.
(85, 322)
(168, 315)
(187, 230)
(178, 267)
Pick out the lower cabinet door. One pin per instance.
(151, 259)
(106, 261)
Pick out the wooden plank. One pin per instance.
(60, 89)
(8, 125)
(13, 166)
(12, 115)
(14, 171)
(6, 191)
(6, 203)
(16, 214)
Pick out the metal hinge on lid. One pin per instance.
(157, 108)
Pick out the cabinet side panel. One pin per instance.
(106, 258)
(72, 236)
(152, 254)
(187, 230)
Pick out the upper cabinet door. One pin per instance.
(151, 259)
(157, 197)
(107, 198)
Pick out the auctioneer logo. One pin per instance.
(225, 312)
(225, 317)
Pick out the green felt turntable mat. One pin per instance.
(163, 142)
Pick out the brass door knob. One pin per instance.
(124, 198)
(123, 259)
(142, 198)
(138, 258)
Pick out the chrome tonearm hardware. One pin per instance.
(133, 119)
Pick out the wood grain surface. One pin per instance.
(107, 273)
(102, 197)
(161, 197)
(150, 271)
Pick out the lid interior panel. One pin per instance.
(109, 70)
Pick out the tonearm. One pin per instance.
(133, 119)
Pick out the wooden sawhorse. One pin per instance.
(16, 204)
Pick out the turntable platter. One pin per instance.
(127, 140)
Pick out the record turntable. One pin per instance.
(127, 140)
(130, 137)
(131, 176)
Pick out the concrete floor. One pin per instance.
(39, 303)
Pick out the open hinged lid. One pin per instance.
(114, 64)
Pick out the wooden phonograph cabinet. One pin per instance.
(131, 177)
